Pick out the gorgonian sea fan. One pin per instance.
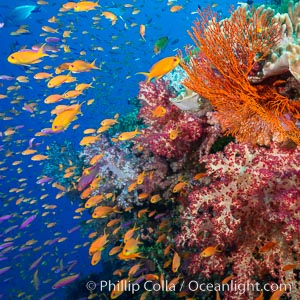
(219, 72)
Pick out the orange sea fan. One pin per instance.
(219, 73)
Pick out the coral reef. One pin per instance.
(181, 201)
(229, 50)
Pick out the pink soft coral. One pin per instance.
(253, 199)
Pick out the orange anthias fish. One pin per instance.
(175, 8)
(267, 247)
(210, 251)
(159, 111)
(78, 66)
(129, 234)
(93, 201)
(277, 294)
(59, 80)
(88, 140)
(199, 176)
(161, 68)
(134, 269)
(143, 31)
(71, 94)
(140, 178)
(119, 288)
(155, 198)
(174, 134)
(227, 279)
(110, 16)
(27, 57)
(260, 296)
(95, 159)
(109, 122)
(115, 250)
(62, 67)
(53, 98)
(289, 267)
(98, 244)
(178, 187)
(175, 262)
(83, 86)
(85, 6)
(64, 118)
(131, 246)
(96, 258)
(39, 157)
(103, 211)
(124, 136)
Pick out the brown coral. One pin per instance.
(219, 72)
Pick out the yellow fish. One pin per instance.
(131, 246)
(109, 122)
(85, 6)
(103, 211)
(93, 201)
(39, 157)
(124, 136)
(174, 134)
(109, 15)
(59, 80)
(96, 258)
(175, 262)
(98, 244)
(159, 111)
(71, 94)
(42, 75)
(63, 119)
(175, 8)
(78, 66)
(155, 198)
(83, 86)
(49, 29)
(129, 234)
(143, 31)
(178, 187)
(27, 57)
(161, 68)
(210, 251)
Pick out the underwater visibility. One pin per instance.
(150, 150)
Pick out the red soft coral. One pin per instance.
(157, 135)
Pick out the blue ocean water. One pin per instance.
(122, 53)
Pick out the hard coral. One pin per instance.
(285, 56)
(229, 50)
(253, 200)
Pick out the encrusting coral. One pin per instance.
(229, 49)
